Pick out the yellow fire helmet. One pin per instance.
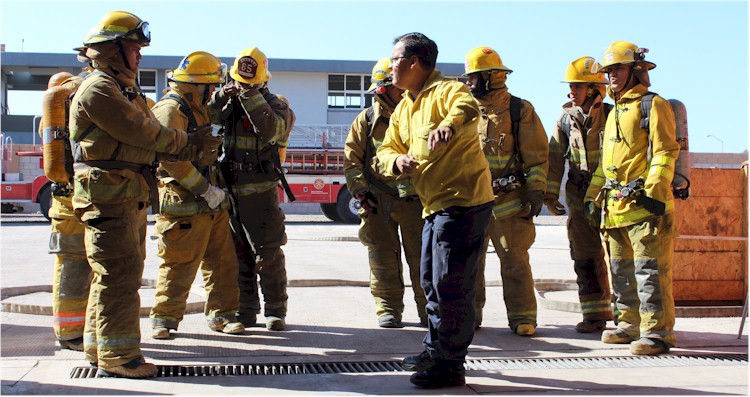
(585, 70)
(624, 52)
(381, 74)
(250, 67)
(119, 25)
(483, 58)
(199, 67)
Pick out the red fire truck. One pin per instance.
(314, 168)
(28, 185)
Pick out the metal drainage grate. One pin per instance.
(607, 362)
(259, 369)
(471, 365)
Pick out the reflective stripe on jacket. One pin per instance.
(181, 187)
(626, 157)
(355, 150)
(498, 143)
(582, 147)
(126, 131)
(250, 142)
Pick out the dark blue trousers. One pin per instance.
(452, 242)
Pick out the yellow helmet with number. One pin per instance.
(585, 70)
(199, 67)
(381, 74)
(119, 25)
(250, 67)
(622, 52)
(483, 58)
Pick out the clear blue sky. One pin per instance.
(700, 48)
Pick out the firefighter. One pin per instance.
(117, 139)
(632, 187)
(72, 274)
(388, 204)
(432, 139)
(576, 138)
(193, 227)
(516, 148)
(256, 125)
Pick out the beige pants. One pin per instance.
(185, 244)
(380, 234)
(512, 237)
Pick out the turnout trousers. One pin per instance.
(512, 237)
(380, 234)
(185, 244)
(452, 240)
(116, 249)
(72, 273)
(263, 223)
(641, 261)
(592, 274)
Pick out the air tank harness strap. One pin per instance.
(145, 170)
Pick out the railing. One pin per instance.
(321, 136)
(314, 161)
(6, 147)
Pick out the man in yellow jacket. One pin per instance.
(632, 187)
(432, 138)
(118, 139)
(515, 145)
(389, 203)
(257, 124)
(193, 226)
(576, 139)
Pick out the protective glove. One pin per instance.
(205, 141)
(533, 199)
(653, 206)
(593, 214)
(188, 153)
(368, 202)
(213, 196)
(554, 206)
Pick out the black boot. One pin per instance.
(439, 376)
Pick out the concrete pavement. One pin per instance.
(331, 320)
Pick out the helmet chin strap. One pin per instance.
(482, 87)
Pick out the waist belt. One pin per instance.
(144, 170)
(509, 182)
(265, 167)
(619, 191)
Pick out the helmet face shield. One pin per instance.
(141, 32)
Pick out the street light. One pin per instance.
(722, 142)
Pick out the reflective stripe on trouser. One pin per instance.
(263, 222)
(185, 244)
(116, 250)
(72, 273)
(641, 260)
(592, 274)
(381, 237)
(512, 237)
(451, 247)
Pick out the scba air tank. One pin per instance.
(681, 180)
(58, 158)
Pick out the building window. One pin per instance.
(147, 81)
(348, 91)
